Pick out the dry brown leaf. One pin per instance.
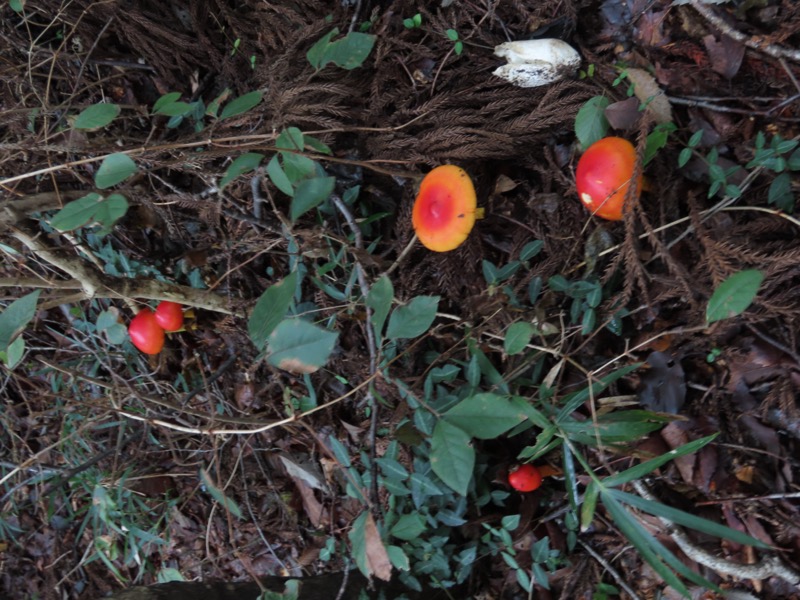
(648, 92)
(377, 558)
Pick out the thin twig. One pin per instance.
(769, 566)
(754, 42)
(611, 570)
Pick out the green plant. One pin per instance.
(458, 45)
(414, 22)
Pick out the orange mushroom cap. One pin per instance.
(604, 175)
(445, 209)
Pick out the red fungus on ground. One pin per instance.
(604, 175)
(145, 332)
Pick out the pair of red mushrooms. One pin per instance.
(147, 329)
(446, 206)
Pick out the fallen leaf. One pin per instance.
(726, 55)
(648, 92)
(663, 385)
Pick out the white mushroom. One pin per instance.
(532, 63)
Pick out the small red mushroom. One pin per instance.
(445, 209)
(604, 175)
(169, 315)
(145, 332)
(525, 478)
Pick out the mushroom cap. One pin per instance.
(444, 211)
(145, 332)
(604, 175)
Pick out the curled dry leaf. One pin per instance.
(648, 92)
(377, 557)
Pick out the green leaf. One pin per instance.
(109, 211)
(452, 35)
(734, 295)
(174, 109)
(452, 456)
(398, 558)
(590, 122)
(530, 250)
(96, 116)
(379, 299)
(92, 208)
(298, 346)
(278, 176)
(243, 164)
(115, 169)
(270, 309)
(485, 416)
(687, 519)
(16, 5)
(780, 192)
(350, 51)
(316, 53)
(644, 542)
(647, 467)
(14, 354)
(589, 505)
(168, 98)
(309, 194)
(291, 138)
(409, 527)
(240, 105)
(413, 319)
(218, 495)
(517, 337)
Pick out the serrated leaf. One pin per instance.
(240, 105)
(734, 295)
(485, 416)
(309, 194)
(96, 116)
(270, 309)
(115, 169)
(298, 346)
(379, 299)
(242, 164)
(15, 318)
(413, 319)
(590, 122)
(517, 337)
(452, 456)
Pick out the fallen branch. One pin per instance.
(769, 566)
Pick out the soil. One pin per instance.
(415, 103)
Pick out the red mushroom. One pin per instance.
(445, 209)
(525, 478)
(145, 332)
(604, 175)
(169, 315)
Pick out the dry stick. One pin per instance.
(611, 570)
(770, 566)
(98, 285)
(754, 42)
(373, 354)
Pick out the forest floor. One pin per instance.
(210, 461)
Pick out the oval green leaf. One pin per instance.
(270, 309)
(15, 318)
(96, 116)
(591, 123)
(309, 194)
(240, 105)
(485, 416)
(734, 295)
(452, 456)
(115, 169)
(413, 319)
(379, 299)
(298, 346)
(243, 164)
(517, 337)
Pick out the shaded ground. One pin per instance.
(413, 105)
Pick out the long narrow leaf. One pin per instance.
(686, 519)
(651, 465)
(573, 401)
